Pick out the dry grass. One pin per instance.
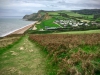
(8, 40)
(23, 58)
(74, 54)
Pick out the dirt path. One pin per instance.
(23, 59)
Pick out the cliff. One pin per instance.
(40, 15)
(46, 17)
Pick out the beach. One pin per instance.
(13, 24)
(23, 29)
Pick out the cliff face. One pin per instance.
(46, 16)
(34, 17)
(27, 17)
(41, 15)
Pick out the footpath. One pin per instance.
(25, 58)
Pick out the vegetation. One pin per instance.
(41, 13)
(39, 32)
(88, 11)
(79, 32)
(23, 58)
(97, 18)
(94, 14)
(46, 23)
(63, 48)
(49, 21)
(73, 14)
(8, 42)
(63, 32)
(72, 54)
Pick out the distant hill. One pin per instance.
(43, 14)
(40, 15)
(88, 11)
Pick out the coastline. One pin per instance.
(20, 30)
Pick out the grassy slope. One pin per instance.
(79, 32)
(72, 57)
(53, 13)
(8, 42)
(70, 13)
(78, 15)
(23, 59)
(48, 23)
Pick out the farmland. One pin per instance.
(65, 20)
(79, 32)
(72, 14)
(72, 54)
(48, 23)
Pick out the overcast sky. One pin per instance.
(22, 7)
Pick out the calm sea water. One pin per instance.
(10, 24)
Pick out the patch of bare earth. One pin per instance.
(23, 59)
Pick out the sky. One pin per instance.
(23, 7)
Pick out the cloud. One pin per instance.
(22, 4)
(80, 4)
(23, 7)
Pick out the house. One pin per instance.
(57, 21)
(74, 25)
(65, 25)
(86, 24)
(38, 22)
(41, 30)
(50, 28)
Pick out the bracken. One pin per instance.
(71, 61)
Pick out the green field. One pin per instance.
(70, 13)
(53, 13)
(48, 23)
(79, 32)
(78, 15)
(55, 16)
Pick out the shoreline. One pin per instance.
(20, 30)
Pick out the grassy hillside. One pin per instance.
(72, 54)
(55, 54)
(23, 58)
(40, 13)
(46, 23)
(79, 32)
(71, 13)
(78, 15)
(55, 15)
(7, 42)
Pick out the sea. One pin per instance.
(11, 24)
